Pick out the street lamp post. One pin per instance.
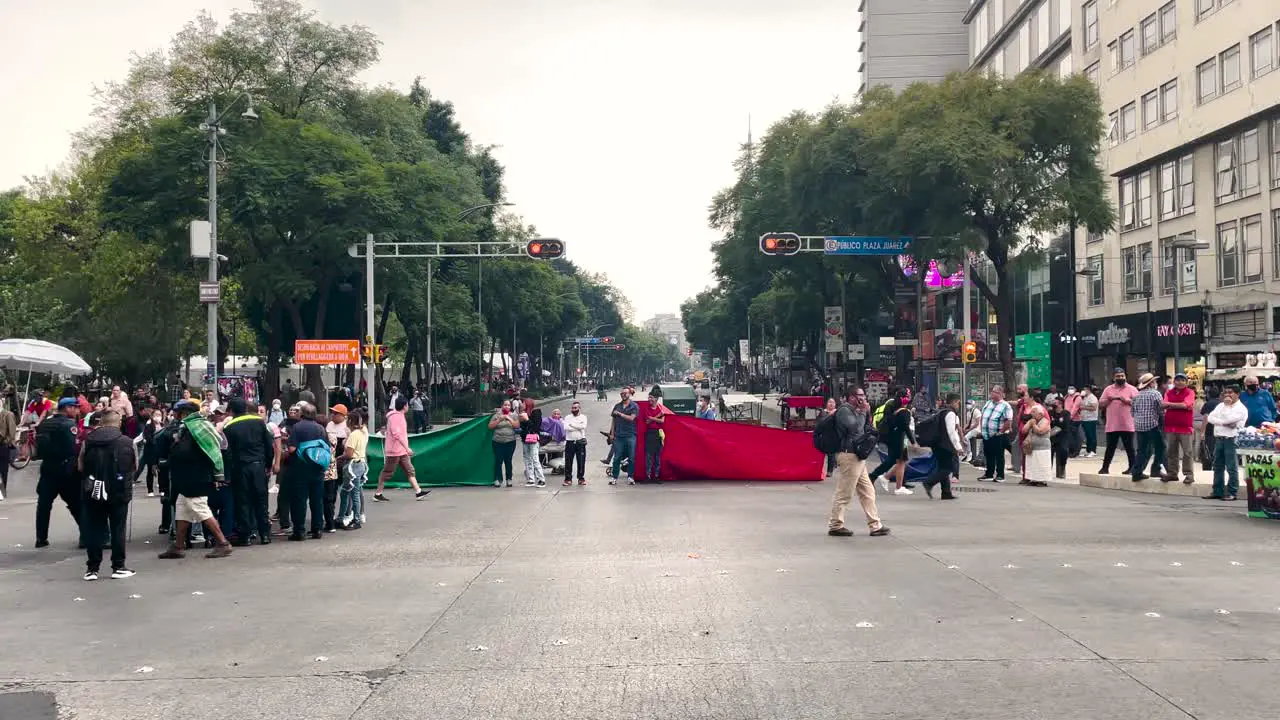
(431, 368)
(1151, 341)
(212, 126)
(1190, 243)
(592, 333)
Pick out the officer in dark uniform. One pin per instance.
(56, 446)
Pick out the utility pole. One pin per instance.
(370, 374)
(211, 365)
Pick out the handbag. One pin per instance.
(531, 438)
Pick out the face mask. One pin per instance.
(1119, 382)
(1251, 388)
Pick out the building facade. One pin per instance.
(907, 41)
(1192, 93)
(670, 327)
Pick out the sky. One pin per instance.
(617, 120)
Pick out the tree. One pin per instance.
(978, 161)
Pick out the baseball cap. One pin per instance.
(339, 409)
(68, 401)
(185, 406)
(1180, 376)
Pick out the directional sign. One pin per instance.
(594, 340)
(210, 292)
(326, 352)
(860, 245)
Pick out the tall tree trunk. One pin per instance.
(272, 377)
(409, 355)
(1001, 298)
(382, 321)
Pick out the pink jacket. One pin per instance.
(397, 442)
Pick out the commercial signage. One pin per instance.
(860, 245)
(326, 352)
(833, 328)
(744, 350)
(1128, 334)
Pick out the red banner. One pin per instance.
(710, 450)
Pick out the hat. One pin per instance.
(339, 409)
(1145, 380)
(185, 406)
(68, 402)
(1180, 376)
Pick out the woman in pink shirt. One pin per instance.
(1117, 403)
(396, 452)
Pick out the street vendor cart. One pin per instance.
(742, 408)
(800, 412)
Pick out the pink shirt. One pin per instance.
(397, 442)
(1178, 420)
(1119, 415)
(1072, 406)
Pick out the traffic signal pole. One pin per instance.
(370, 372)
(965, 299)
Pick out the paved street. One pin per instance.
(706, 600)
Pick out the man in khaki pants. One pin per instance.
(854, 420)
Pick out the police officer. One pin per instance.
(250, 452)
(56, 444)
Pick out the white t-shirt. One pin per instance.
(337, 431)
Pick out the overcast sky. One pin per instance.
(617, 119)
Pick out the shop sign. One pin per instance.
(1112, 335)
(1185, 329)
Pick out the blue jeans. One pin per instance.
(1224, 458)
(351, 496)
(624, 446)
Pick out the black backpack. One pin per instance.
(931, 431)
(828, 439)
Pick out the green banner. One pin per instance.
(456, 455)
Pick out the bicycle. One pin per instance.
(26, 448)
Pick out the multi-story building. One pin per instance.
(1192, 90)
(907, 41)
(668, 326)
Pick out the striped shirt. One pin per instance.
(994, 415)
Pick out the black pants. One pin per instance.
(1061, 451)
(284, 502)
(150, 469)
(48, 489)
(419, 421)
(502, 455)
(98, 517)
(575, 451)
(946, 464)
(1150, 447)
(166, 500)
(885, 466)
(306, 489)
(993, 449)
(6, 452)
(249, 486)
(330, 502)
(1124, 438)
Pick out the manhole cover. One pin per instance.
(966, 488)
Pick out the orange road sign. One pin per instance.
(326, 352)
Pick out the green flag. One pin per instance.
(456, 455)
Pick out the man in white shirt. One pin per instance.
(1227, 419)
(575, 444)
(948, 450)
(120, 402)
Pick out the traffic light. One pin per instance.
(780, 243)
(373, 353)
(606, 340)
(688, 352)
(970, 352)
(545, 249)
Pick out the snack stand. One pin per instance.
(796, 407)
(742, 408)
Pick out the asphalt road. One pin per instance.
(697, 600)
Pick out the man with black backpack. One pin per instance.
(848, 434)
(107, 463)
(941, 434)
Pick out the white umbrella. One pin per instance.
(40, 356)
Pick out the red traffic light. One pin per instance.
(970, 352)
(780, 243)
(622, 347)
(606, 340)
(545, 249)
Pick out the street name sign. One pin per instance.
(864, 245)
(326, 352)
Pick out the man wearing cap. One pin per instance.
(1117, 402)
(195, 464)
(1179, 413)
(337, 432)
(250, 452)
(56, 445)
(1146, 426)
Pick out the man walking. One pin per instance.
(106, 463)
(56, 445)
(857, 437)
(1179, 429)
(995, 423)
(250, 454)
(1117, 403)
(947, 448)
(575, 444)
(1146, 427)
(622, 435)
(195, 464)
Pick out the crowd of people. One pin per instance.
(214, 462)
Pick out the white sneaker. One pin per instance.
(884, 483)
(151, 494)
(346, 519)
(902, 491)
(613, 482)
(90, 576)
(497, 483)
(361, 518)
(122, 573)
(274, 489)
(530, 482)
(631, 481)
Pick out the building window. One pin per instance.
(1275, 153)
(1144, 199)
(1229, 60)
(1177, 188)
(1251, 234)
(1090, 14)
(1096, 284)
(1093, 237)
(1092, 72)
(1237, 172)
(997, 15)
(979, 33)
(1064, 16)
(1128, 203)
(1113, 127)
(1151, 109)
(1204, 8)
(1207, 80)
(1176, 264)
(1137, 269)
(1150, 34)
(1128, 52)
(1228, 255)
(1262, 56)
(1168, 22)
(1128, 121)
(1145, 267)
(1275, 244)
(1042, 29)
(1065, 66)
(1169, 100)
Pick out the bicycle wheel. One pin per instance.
(19, 461)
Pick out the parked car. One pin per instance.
(680, 399)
